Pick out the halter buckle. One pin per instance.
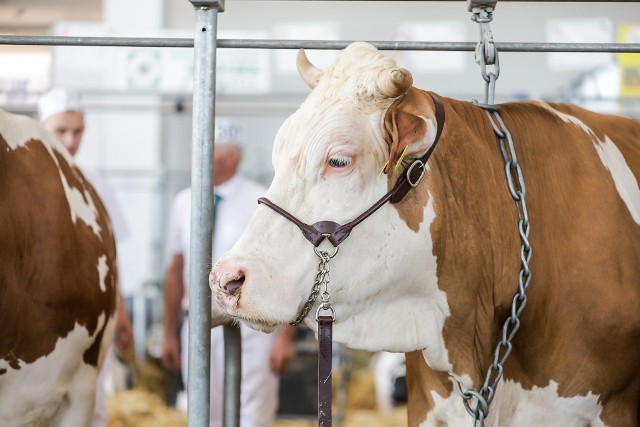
(418, 178)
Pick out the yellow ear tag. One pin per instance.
(404, 152)
(384, 167)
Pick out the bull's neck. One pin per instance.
(474, 238)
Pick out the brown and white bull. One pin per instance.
(58, 281)
(435, 274)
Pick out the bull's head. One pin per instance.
(333, 158)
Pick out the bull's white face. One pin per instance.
(328, 159)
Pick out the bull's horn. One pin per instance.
(309, 72)
(394, 82)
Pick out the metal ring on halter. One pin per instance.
(330, 256)
(419, 178)
(325, 306)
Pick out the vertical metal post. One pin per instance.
(232, 375)
(205, 40)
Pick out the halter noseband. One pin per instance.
(337, 233)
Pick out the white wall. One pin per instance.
(522, 73)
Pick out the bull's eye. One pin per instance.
(339, 161)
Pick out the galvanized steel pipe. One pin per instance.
(315, 44)
(232, 375)
(199, 368)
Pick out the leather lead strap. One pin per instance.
(325, 324)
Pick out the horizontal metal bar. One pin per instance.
(430, 46)
(96, 41)
(315, 44)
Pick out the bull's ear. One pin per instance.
(408, 132)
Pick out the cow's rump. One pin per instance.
(58, 280)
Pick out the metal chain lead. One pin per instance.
(477, 402)
(515, 183)
(325, 305)
(322, 278)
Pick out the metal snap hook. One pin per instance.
(325, 306)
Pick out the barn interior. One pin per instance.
(139, 100)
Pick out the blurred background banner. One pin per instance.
(629, 63)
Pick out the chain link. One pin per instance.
(322, 278)
(477, 402)
(479, 408)
(325, 305)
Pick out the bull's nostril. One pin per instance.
(233, 286)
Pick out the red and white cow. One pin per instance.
(435, 274)
(58, 281)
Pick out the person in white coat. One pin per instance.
(264, 356)
(61, 111)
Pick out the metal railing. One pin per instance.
(315, 44)
(205, 44)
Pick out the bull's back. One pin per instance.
(582, 171)
(58, 277)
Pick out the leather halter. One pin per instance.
(335, 232)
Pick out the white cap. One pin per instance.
(228, 131)
(58, 100)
